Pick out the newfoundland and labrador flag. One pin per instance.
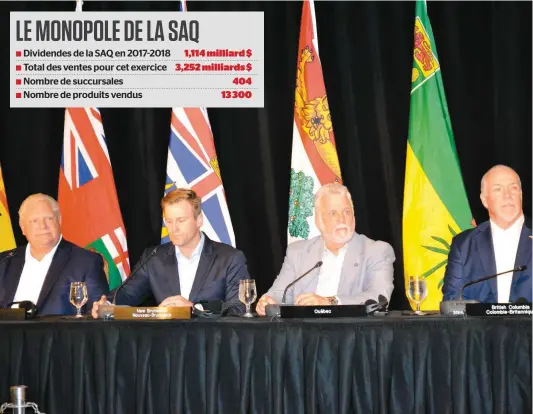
(314, 159)
(7, 240)
(192, 163)
(435, 203)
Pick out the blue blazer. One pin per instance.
(219, 272)
(69, 264)
(472, 257)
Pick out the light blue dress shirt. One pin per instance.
(187, 267)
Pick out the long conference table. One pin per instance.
(378, 364)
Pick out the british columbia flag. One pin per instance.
(192, 163)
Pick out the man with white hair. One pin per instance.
(500, 244)
(42, 271)
(354, 268)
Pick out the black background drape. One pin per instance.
(366, 52)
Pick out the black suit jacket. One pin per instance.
(69, 264)
(219, 272)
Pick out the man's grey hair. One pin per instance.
(39, 197)
(484, 178)
(332, 188)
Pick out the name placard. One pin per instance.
(338, 311)
(499, 309)
(151, 313)
(12, 314)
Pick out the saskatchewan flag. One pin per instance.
(7, 240)
(435, 202)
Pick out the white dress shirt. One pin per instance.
(505, 243)
(187, 267)
(330, 272)
(33, 274)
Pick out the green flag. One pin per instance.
(435, 202)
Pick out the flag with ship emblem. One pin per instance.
(7, 239)
(435, 203)
(192, 163)
(314, 155)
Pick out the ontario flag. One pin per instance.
(192, 163)
(314, 155)
(88, 200)
(7, 240)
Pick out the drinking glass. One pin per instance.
(78, 296)
(247, 295)
(417, 292)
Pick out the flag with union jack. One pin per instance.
(87, 198)
(7, 240)
(192, 163)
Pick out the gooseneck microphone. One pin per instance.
(483, 279)
(134, 272)
(317, 265)
(28, 306)
(458, 307)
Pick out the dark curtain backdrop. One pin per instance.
(366, 53)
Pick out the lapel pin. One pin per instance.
(356, 264)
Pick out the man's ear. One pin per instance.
(483, 199)
(200, 220)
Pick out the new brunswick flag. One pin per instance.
(7, 240)
(314, 155)
(435, 202)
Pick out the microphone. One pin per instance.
(318, 264)
(274, 310)
(483, 279)
(28, 306)
(134, 272)
(458, 307)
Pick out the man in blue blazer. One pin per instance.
(188, 270)
(500, 244)
(42, 271)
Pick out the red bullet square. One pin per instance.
(18, 67)
(19, 95)
(19, 53)
(18, 81)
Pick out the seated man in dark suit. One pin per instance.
(42, 271)
(500, 244)
(190, 269)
